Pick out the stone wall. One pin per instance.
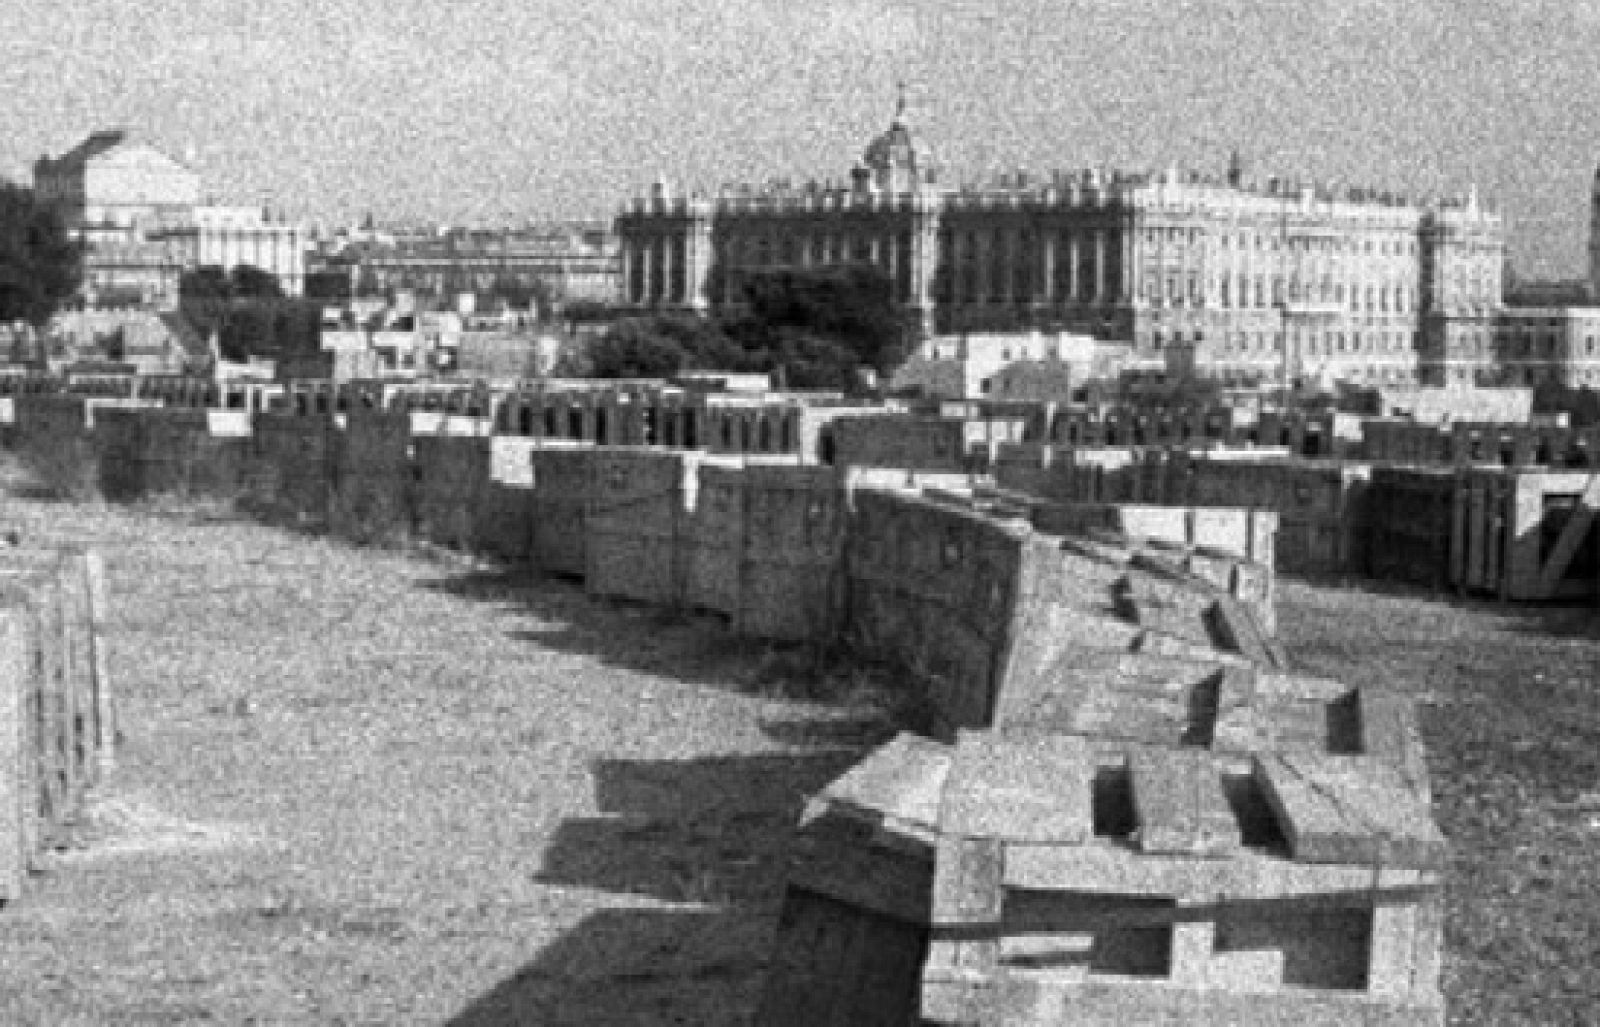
(371, 499)
(290, 473)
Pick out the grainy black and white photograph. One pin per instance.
(826, 513)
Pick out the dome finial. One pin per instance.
(900, 101)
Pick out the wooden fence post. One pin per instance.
(105, 741)
(14, 792)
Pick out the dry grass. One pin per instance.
(368, 786)
(1511, 715)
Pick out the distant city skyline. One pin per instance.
(501, 111)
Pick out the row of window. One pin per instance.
(1370, 374)
(818, 249)
(1266, 240)
(1536, 375)
(1526, 345)
(1260, 292)
(1311, 343)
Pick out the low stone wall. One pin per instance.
(562, 479)
(762, 547)
(938, 883)
(371, 500)
(895, 440)
(760, 539)
(1233, 550)
(638, 506)
(1322, 507)
(290, 473)
(503, 521)
(1410, 511)
(54, 439)
(1093, 475)
(949, 594)
(172, 451)
(450, 474)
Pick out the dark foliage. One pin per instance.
(1581, 405)
(250, 282)
(809, 329)
(590, 312)
(249, 316)
(853, 306)
(41, 266)
(532, 294)
(332, 286)
(207, 283)
(634, 349)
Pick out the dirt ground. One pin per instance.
(372, 787)
(363, 786)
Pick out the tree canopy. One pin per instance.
(808, 328)
(852, 305)
(41, 266)
(332, 285)
(1581, 405)
(245, 281)
(248, 312)
(251, 282)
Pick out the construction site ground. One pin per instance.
(362, 786)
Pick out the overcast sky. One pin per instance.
(487, 110)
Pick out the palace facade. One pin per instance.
(1274, 280)
(573, 263)
(141, 219)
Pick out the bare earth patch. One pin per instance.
(366, 786)
(118, 826)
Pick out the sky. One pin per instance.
(489, 111)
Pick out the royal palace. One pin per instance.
(1249, 280)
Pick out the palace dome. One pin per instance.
(899, 159)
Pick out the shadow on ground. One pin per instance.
(856, 703)
(705, 841)
(627, 635)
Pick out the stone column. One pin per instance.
(667, 266)
(1074, 255)
(1099, 266)
(697, 260)
(1125, 267)
(924, 258)
(1020, 271)
(648, 275)
(983, 261)
(1046, 289)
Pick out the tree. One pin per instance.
(807, 361)
(633, 349)
(1581, 405)
(576, 312)
(248, 331)
(41, 266)
(250, 282)
(206, 283)
(519, 293)
(297, 326)
(332, 285)
(662, 345)
(852, 307)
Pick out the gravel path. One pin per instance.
(374, 787)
